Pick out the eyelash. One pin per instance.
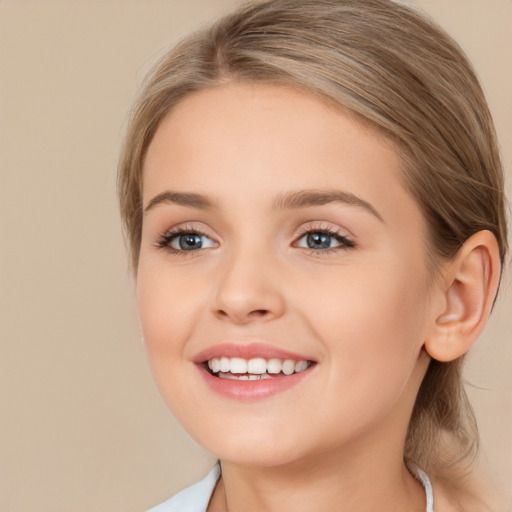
(164, 242)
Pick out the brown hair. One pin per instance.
(395, 70)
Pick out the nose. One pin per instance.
(248, 290)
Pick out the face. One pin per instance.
(282, 283)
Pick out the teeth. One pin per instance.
(288, 367)
(230, 376)
(254, 369)
(257, 366)
(215, 365)
(237, 365)
(224, 364)
(300, 366)
(227, 376)
(274, 366)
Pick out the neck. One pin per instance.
(325, 483)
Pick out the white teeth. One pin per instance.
(230, 376)
(255, 368)
(237, 365)
(215, 365)
(224, 364)
(274, 366)
(288, 367)
(301, 366)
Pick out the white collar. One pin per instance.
(420, 475)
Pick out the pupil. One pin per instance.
(318, 241)
(188, 242)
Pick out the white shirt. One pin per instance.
(196, 497)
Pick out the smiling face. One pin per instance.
(277, 228)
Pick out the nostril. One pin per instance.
(243, 317)
(259, 312)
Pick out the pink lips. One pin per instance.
(247, 390)
(248, 351)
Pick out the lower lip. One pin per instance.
(252, 389)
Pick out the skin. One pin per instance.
(362, 313)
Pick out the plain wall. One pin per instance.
(82, 427)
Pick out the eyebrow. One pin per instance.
(182, 199)
(304, 198)
(286, 200)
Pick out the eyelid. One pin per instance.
(324, 227)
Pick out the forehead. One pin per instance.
(265, 125)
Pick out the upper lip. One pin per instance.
(248, 351)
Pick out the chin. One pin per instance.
(259, 447)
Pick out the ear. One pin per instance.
(469, 287)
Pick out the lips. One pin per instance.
(251, 371)
(248, 351)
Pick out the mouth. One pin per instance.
(252, 371)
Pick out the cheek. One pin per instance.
(168, 310)
(371, 319)
(372, 330)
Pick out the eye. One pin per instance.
(181, 240)
(190, 242)
(323, 239)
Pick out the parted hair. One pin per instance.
(395, 70)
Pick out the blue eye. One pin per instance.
(181, 240)
(321, 240)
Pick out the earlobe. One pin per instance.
(470, 286)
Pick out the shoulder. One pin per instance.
(194, 498)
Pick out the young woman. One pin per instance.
(314, 204)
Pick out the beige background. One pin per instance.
(82, 427)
